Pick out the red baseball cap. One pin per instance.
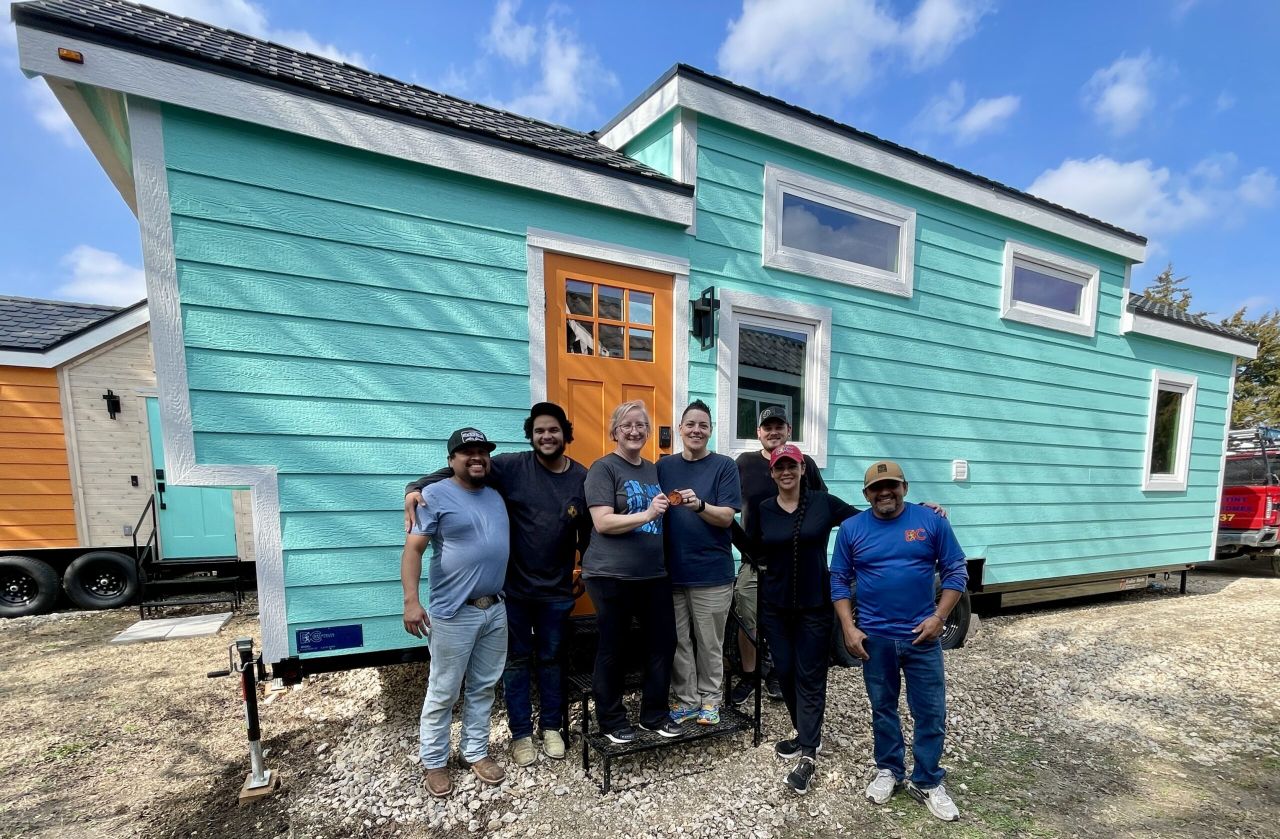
(785, 451)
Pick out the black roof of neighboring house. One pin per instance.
(770, 351)
(28, 325)
(174, 38)
(1163, 311)
(830, 124)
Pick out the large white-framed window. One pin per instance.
(823, 229)
(772, 352)
(1050, 290)
(1169, 422)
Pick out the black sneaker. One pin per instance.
(622, 735)
(773, 688)
(800, 777)
(742, 692)
(666, 728)
(790, 749)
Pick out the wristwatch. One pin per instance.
(702, 505)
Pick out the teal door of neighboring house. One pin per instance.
(194, 521)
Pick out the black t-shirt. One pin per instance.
(797, 578)
(757, 484)
(550, 522)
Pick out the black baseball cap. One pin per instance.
(469, 437)
(773, 412)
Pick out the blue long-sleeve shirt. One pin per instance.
(890, 564)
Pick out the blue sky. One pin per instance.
(1160, 116)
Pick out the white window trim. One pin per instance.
(733, 306)
(776, 255)
(1177, 480)
(1085, 323)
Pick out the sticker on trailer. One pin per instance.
(1133, 582)
(322, 639)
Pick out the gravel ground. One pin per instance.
(1147, 714)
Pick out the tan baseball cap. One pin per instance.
(884, 470)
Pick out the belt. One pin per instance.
(485, 601)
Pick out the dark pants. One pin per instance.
(800, 641)
(534, 630)
(921, 666)
(617, 602)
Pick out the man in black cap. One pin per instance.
(546, 504)
(465, 620)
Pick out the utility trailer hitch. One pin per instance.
(241, 659)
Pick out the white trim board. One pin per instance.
(1143, 324)
(689, 93)
(538, 242)
(147, 139)
(1222, 465)
(81, 344)
(163, 81)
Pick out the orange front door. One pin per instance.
(608, 341)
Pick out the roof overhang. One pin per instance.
(677, 89)
(133, 73)
(1141, 323)
(102, 332)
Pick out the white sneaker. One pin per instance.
(937, 800)
(882, 787)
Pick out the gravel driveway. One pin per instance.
(1148, 714)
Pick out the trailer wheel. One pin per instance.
(101, 580)
(27, 586)
(957, 625)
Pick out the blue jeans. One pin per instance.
(921, 666)
(472, 643)
(534, 629)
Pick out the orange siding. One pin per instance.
(35, 484)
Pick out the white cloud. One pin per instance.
(1120, 95)
(946, 115)
(99, 276)
(251, 19)
(1224, 102)
(1151, 200)
(839, 43)
(48, 111)
(508, 38)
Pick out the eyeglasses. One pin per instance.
(634, 426)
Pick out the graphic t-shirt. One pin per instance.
(469, 544)
(626, 488)
(699, 554)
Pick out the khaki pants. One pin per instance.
(697, 674)
(744, 597)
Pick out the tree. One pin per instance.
(1170, 291)
(1257, 381)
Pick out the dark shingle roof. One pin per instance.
(30, 325)
(1163, 311)
(830, 124)
(174, 38)
(770, 351)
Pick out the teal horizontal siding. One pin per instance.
(1053, 425)
(342, 314)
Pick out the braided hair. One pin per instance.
(796, 527)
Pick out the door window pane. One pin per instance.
(1043, 289)
(640, 344)
(610, 302)
(809, 225)
(1164, 446)
(578, 297)
(770, 371)
(610, 341)
(581, 341)
(640, 307)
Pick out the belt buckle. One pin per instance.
(485, 602)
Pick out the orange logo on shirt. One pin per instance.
(917, 535)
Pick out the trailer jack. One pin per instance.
(261, 781)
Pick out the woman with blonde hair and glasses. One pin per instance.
(626, 576)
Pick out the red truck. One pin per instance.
(1249, 516)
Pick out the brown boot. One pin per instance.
(488, 770)
(438, 782)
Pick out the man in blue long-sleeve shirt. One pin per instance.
(889, 559)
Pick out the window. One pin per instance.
(825, 230)
(597, 325)
(772, 352)
(1049, 290)
(1172, 411)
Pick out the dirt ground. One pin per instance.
(1147, 714)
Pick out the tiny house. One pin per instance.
(343, 268)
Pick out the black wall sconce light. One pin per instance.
(113, 403)
(702, 320)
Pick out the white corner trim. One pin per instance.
(81, 344)
(679, 355)
(684, 148)
(753, 116)
(151, 182)
(536, 288)
(736, 303)
(1143, 324)
(163, 81)
(1175, 481)
(1222, 465)
(645, 114)
(82, 118)
(1085, 322)
(776, 254)
(1126, 314)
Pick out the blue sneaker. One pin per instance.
(681, 713)
(709, 715)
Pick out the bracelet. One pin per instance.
(702, 505)
(942, 618)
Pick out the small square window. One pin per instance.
(1172, 412)
(826, 230)
(1045, 289)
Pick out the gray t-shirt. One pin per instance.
(470, 541)
(636, 555)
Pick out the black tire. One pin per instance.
(101, 580)
(957, 625)
(27, 586)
